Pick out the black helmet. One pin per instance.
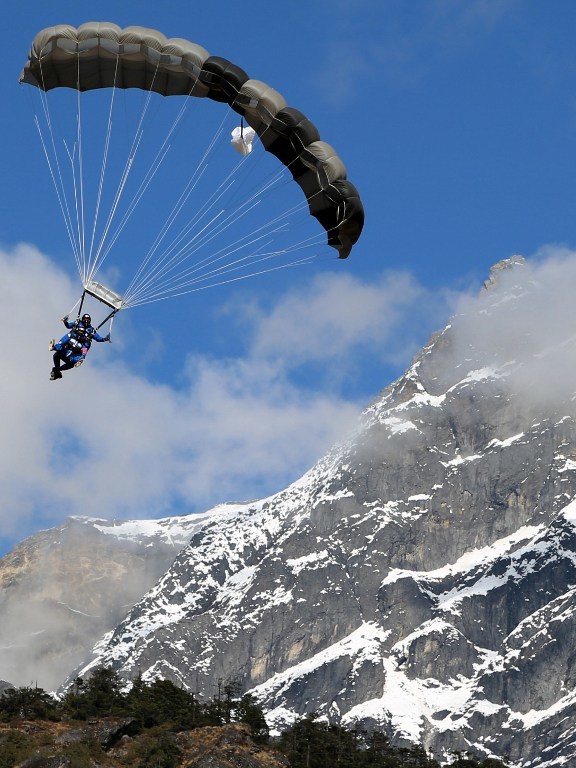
(86, 320)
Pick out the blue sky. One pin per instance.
(456, 121)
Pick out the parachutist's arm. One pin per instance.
(97, 337)
(66, 322)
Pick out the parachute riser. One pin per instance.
(81, 305)
(108, 317)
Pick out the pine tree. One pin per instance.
(250, 712)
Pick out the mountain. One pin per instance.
(422, 576)
(62, 588)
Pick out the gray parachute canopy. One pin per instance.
(103, 55)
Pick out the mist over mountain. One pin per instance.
(62, 588)
(421, 577)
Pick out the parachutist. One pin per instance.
(72, 348)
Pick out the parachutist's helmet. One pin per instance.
(86, 320)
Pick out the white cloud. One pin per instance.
(527, 325)
(106, 441)
(334, 314)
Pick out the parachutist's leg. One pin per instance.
(60, 364)
(55, 374)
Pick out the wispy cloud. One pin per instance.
(367, 43)
(108, 441)
(333, 317)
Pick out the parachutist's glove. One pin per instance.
(107, 338)
(65, 319)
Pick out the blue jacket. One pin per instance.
(76, 344)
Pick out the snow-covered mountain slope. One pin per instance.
(422, 576)
(62, 588)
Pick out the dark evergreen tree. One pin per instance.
(250, 712)
(311, 743)
(99, 695)
(162, 702)
(314, 744)
(28, 703)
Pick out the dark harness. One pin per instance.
(80, 339)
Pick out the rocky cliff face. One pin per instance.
(421, 577)
(62, 588)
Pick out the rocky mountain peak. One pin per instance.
(500, 266)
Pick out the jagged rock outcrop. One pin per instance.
(419, 578)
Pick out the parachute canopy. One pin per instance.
(103, 55)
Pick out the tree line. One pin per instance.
(160, 706)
